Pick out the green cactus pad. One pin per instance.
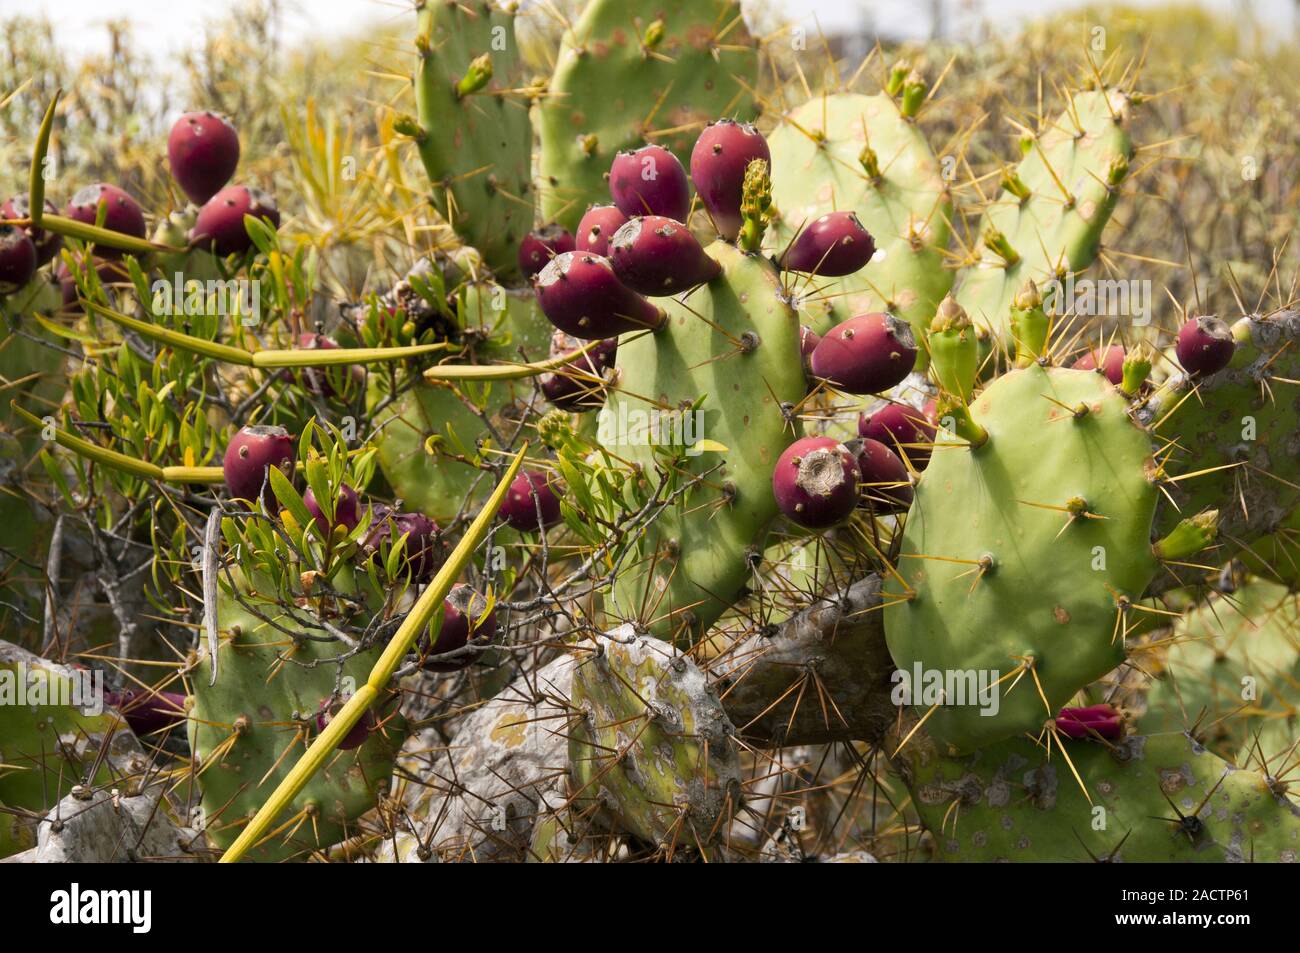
(650, 743)
(1053, 589)
(1056, 227)
(610, 92)
(476, 147)
(254, 701)
(1233, 671)
(34, 363)
(1011, 802)
(510, 327)
(817, 168)
(694, 559)
(1246, 418)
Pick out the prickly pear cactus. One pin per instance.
(1018, 554)
(1048, 219)
(850, 152)
(1152, 798)
(650, 746)
(726, 364)
(634, 72)
(473, 131)
(249, 728)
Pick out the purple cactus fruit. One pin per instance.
(425, 549)
(886, 487)
(597, 227)
(834, 245)
(1105, 720)
(659, 257)
(650, 181)
(357, 734)
(902, 428)
(17, 259)
(47, 243)
(815, 482)
(866, 354)
(462, 617)
(721, 155)
(250, 453)
(1112, 362)
(541, 246)
(1205, 346)
(220, 223)
(571, 387)
(530, 493)
(347, 509)
(122, 212)
(324, 381)
(203, 151)
(808, 341)
(148, 712)
(582, 296)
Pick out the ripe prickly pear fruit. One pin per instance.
(902, 428)
(815, 482)
(650, 181)
(885, 484)
(1082, 722)
(324, 381)
(425, 550)
(17, 258)
(347, 509)
(357, 734)
(808, 341)
(833, 246)
(1205, 346)
(122, 212)
(721, 155)
(660, 257)
(1111, 360)
(148, 713)
(866, 354)
(570, 387)
(529, 496)
(47, 243)
(203, 151)
(220, 223)
(463, 617)
(597, 227)
(541, 246)
(581, 295)
(248, 456)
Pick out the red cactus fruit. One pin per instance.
(657, 256)
(17, 259)
(866, 354)
(597, 227)
(541, 246)
(650, 181)
(47, 243)
(531, 493)
(580, 294)
(122, 213)
(347, 509)
(463, 617)
(721, 155)
(902, 428)
(815, 482)
(1205, 346)
(249, 455)
(425, 549)
(834, 245)
(1105, 720)
(1112, 362)
(357, 734)
(571, 387)
(886, 487)
(220, 223)
(203, 151)
(147, 712)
